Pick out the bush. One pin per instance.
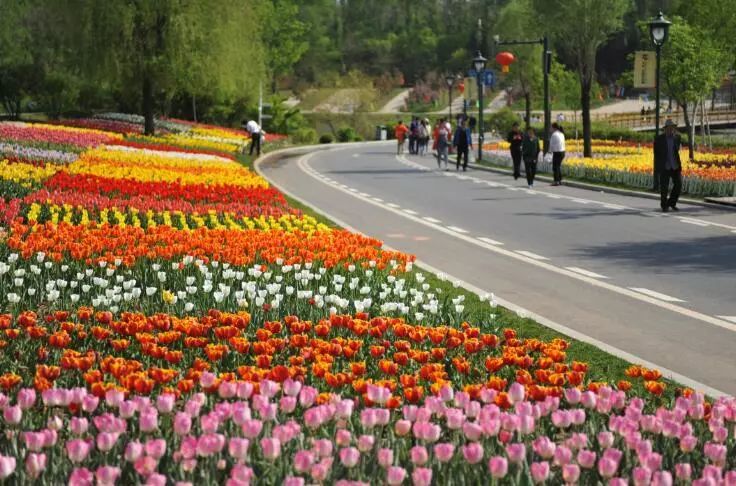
(502, 120)
(304, 136)
(326, 138)
(346, 134)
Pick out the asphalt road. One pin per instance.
(661, 287)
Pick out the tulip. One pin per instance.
(165, 402)
(145, 466)
(106, 441)
(81, 476)
(419, 455)
(473, 452)
(386, 457)
(607, 467)
(303, 460)
(402, 427)
(156, 479)
(349, 456)
(133, 451)
(291, 387)
(366, 442)
(26, 398)
(252, 428)
(540, 471)
(516, 453)
(155, 448)
(238, 448)
(641, 475)
(342, 437)
(562, 455)
(293, 481)
(422, 476)
(35, 464)
(586, 459)
(605, 439)
(571, 473)
(77, 450)
(516, 392)
(107, 475)
(270, 448)
(498, 466)
(395, 475)
(13, 415)
(322, 447)
(7, 466)
(444, 451)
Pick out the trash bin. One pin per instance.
(384, 133)
(381, 132)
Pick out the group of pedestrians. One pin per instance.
(444, 140)
(526, 147)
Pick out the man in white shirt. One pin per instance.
(557, 147)
(255, 136)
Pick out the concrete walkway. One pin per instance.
(396, 103)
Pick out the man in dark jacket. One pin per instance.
(667, 165)
(463, 142)
(514, 139)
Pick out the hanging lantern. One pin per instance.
(461, 87)
(505, 59)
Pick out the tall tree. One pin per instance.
(692, 66)
(167, 45)
(579, 28)
(284, 37)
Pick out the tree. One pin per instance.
(579, 28)
(526, 72)
(284, 36)
(692, 66)
(165, 46)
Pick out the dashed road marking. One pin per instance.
(695, 222)
(364, 194)
(581, 201)
(432, 220)
(456, 229)
(531, 255)
(392, 205)
(553, 196)
(656, 295)
(490, 241)
(378, 199)
(410, 211)
(728, 318)
(587, 273)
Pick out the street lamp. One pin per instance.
(450, 80)
(479, 64)
(658, 28)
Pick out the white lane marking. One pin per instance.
(490, 241)
(552, 196)
(351, 189)
(378, 199)
(614, 206)
(303, 164)
(531, 255)
(581, 201)
(587, 273)
(477, 181)
(696, 223)
(410, 211)
(392, 205)
(574, 334)
(432, 220)
(728, 318)
(513, 188)
(456, 229)
(656, 295)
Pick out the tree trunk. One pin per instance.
(585, 108)
(528, 108)
(194, 108)
(690, 130)
(150, 124)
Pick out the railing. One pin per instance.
(646, 121)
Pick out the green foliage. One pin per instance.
(304, 136)
(284, 36)
(326, 138)
(285, 119)
(501, 120)
(346, 134)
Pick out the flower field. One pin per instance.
(630, 164)
(166, 317)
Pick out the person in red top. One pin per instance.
(400, 133)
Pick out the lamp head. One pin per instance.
(658, 29)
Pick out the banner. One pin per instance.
(645, 69)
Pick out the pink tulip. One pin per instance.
(127, 409)
(402, 427)
(165, 402)
(385, 457)
(517, 392)
(516, 453)
(498, 466)
(607, 467)
(54, 423)
(78, 425)
(322, 447)
(605, 439)
(148, 421)
(210, 444)
(307, 396)
(287, 404)
(571, 473)
(106, 441)
(227, 389)
(34, 441)
(291, 387)
(586, 459)
(26, 398)
(113, 398)
(662, 478)
(342, 437)
(81, 476)
(378, 395)
(293, 481)
(540, 471)
(395, 475)
(13, 415)
(182, 423)
(145, 466)
(617, 481)
(473, 452)
(156, 479)
(156, 448)
(419, 455)
(421, 476)
(303, 461)
(133, 451)
(588, 399)
(683, 471)
(107, 475)
(366, 442)
(271, 448)
(349, 456)
(641, 476)
(90, 403)
(77, 450)
(562, 456)
(544, 447)
(729, 479)
(444, 451)
(35, 464)
(7, 466)
(252, 428)
(238, 448)
(573, 395)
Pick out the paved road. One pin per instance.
(660, 287)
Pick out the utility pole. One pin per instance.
(260, 103)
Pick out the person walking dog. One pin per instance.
(514, 139)
(530, 154)
(668, 166)
(463, 143)
(557, 147)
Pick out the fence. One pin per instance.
(646, 121)
(694, 186)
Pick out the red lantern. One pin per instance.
(505, 59)
(461, 87)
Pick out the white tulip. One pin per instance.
(75, 298)
(31, 292)
(150, 291)
(13, 298)
(188, 307)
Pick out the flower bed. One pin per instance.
(167, 317)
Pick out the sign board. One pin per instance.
(490, 78)
(645, 69)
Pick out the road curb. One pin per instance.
(606, 189)
(512, 307)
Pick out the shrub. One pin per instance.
(326, 138)
(502, 120)
(346, 134)
(304, 136)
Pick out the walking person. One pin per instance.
(400, 133)
(530, 154)
(463, 142)
(413, 136)
(557, 147)
(254, 129)
(423, 136)
(514, 139)
(442, 143)
(668, 166)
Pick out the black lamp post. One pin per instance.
(479, 64)
(450, 80)
(658, 28)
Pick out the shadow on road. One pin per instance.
(715, 254)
